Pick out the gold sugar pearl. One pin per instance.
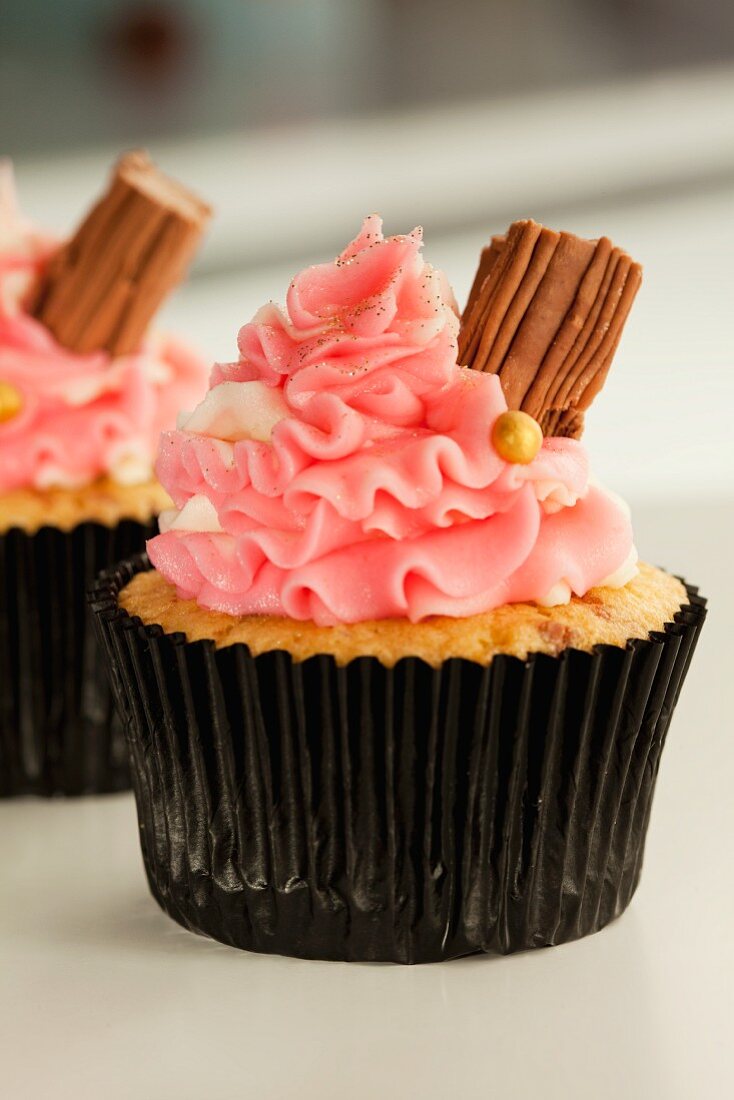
(11, 401)
(516, 437)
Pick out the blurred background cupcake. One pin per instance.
(85, 390)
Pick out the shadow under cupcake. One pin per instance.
(397, 688)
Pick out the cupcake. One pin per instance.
(395, 684)
(85, 392)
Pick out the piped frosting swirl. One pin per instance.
(342, 470)
(77, 417)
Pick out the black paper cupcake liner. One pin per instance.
(409, 814)
(59, 729)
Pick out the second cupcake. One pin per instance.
(85, 392)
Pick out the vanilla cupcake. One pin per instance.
(79, 428)
(396, 687)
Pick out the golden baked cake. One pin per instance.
(603, 616)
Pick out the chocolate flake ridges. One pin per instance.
(486, 262)
(101, 289)
(546, 313)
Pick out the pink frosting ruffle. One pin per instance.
(377, 492)
(82, 416)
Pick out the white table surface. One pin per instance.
(101, 995)
(104, 996)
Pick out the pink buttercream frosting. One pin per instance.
(342, 469)
(81, 416)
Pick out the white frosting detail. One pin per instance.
(558, 594)
(131, 465)
(51, 476)
(197, 514)
(626, 571)
(238, 410)
(554, 495)
(166, 519)
(83, 389)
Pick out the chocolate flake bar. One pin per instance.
(546, 313)
(101, 289)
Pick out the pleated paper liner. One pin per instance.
(59, 730)
(409, 814)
